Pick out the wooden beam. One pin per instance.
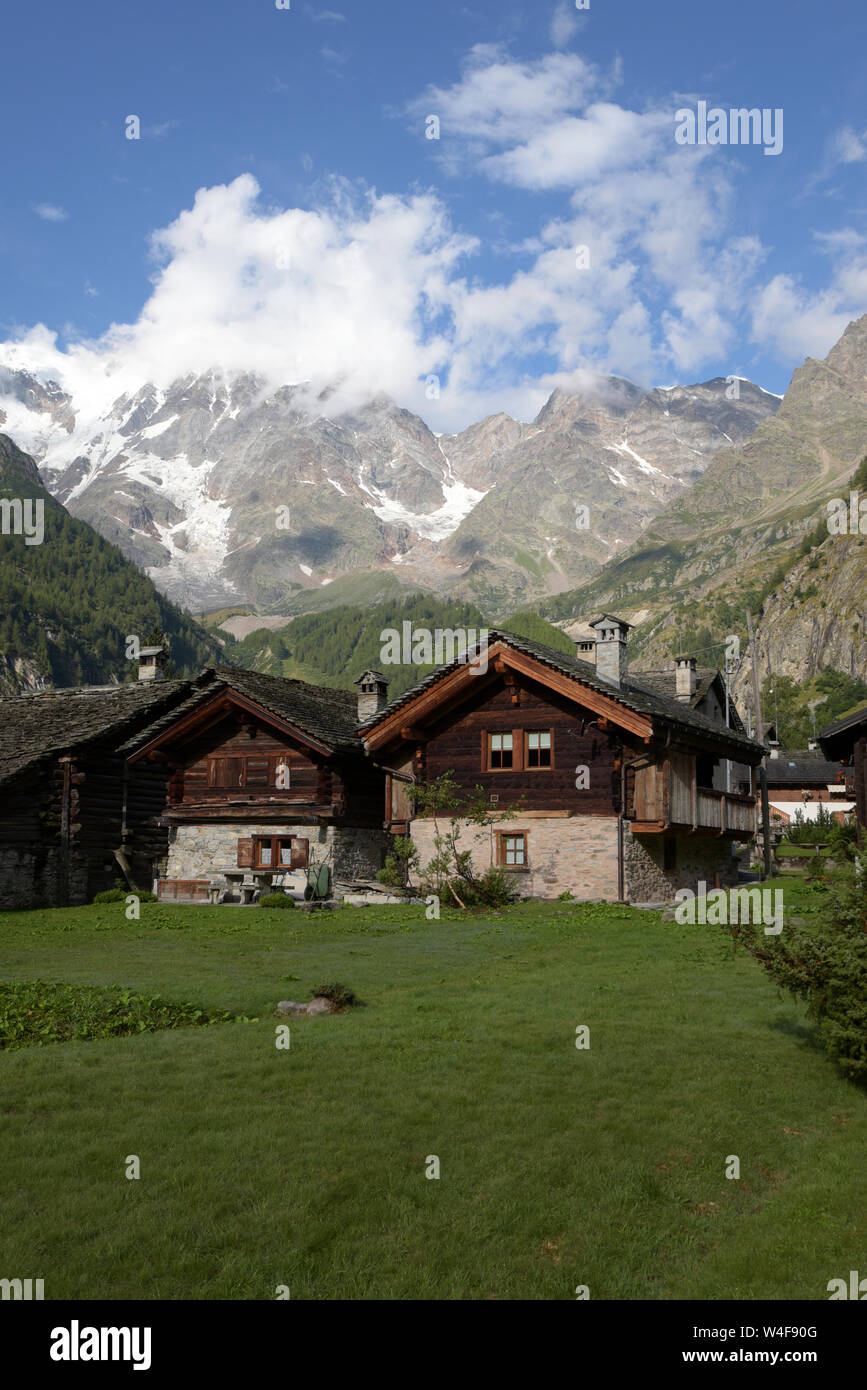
(452, 689)
(226, 702)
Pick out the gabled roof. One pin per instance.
(53, 722)
(707, 677)
(633, 694)
(328, 716)
(792, 770)
(838, 738)
(127, 717)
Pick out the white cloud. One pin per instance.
(293, 295)
(848, 146)
(374, 292)
(564, 23)
(797, 321)
(50, 212)
(324, 16)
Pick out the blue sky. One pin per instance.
(283, 210)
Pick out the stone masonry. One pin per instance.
(696, 858)
(578, 853)
(209, 851)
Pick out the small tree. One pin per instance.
(400, 863)
(450, 864)
(826, 964)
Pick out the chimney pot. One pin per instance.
(686, 680)
(152, 663)
(372, 694)
(611, 659)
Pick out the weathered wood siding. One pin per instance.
(457, 743)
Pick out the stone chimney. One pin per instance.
(372, 694)
(685, 677)
(611, 663)
(152, 663)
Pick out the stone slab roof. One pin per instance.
(634, 693)
(329, 716)
(53, 722)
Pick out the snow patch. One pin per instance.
(151, 431)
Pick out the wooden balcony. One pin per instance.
(667, 800)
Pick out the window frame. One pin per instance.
(274, 841)
(538, 767)
(214, 761)
(520, 749)
(501, 836)
(490, 735)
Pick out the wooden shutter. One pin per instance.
(300, 855)
(245, 854)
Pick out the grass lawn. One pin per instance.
(306, 1167)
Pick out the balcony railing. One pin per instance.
(724, 811)
(669, 799)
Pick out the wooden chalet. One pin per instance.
(621, 785)
(206, 785)
(847, 741)
(73, 816)
(262, 774)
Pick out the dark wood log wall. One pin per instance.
(246, 764)
(456, 744)
(859, 760)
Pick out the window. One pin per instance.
(517, 749)
(500, 750)
(539, 749)
(512, 849)
(669, 854)
(261, 771)
(271, 853)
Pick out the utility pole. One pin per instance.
(760, 735)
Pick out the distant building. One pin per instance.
(847, 740)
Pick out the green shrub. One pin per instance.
(276, 900)
(826, 964)
(341, 996)
(399, 864)
(36, 1012)
(495, 888)
(119, 895)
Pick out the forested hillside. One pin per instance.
(68, 604)
(333, 648)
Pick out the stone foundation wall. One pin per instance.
(696, 858)
(578, 853)
(209, 851)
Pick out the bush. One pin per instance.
(826, 965)
(399, 864)
(495, 888)
(36, 1012)
(340, 995)
(276, 900)
(119, 895)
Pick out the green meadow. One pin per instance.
(305, 1166)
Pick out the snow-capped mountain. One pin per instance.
(225, 490)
